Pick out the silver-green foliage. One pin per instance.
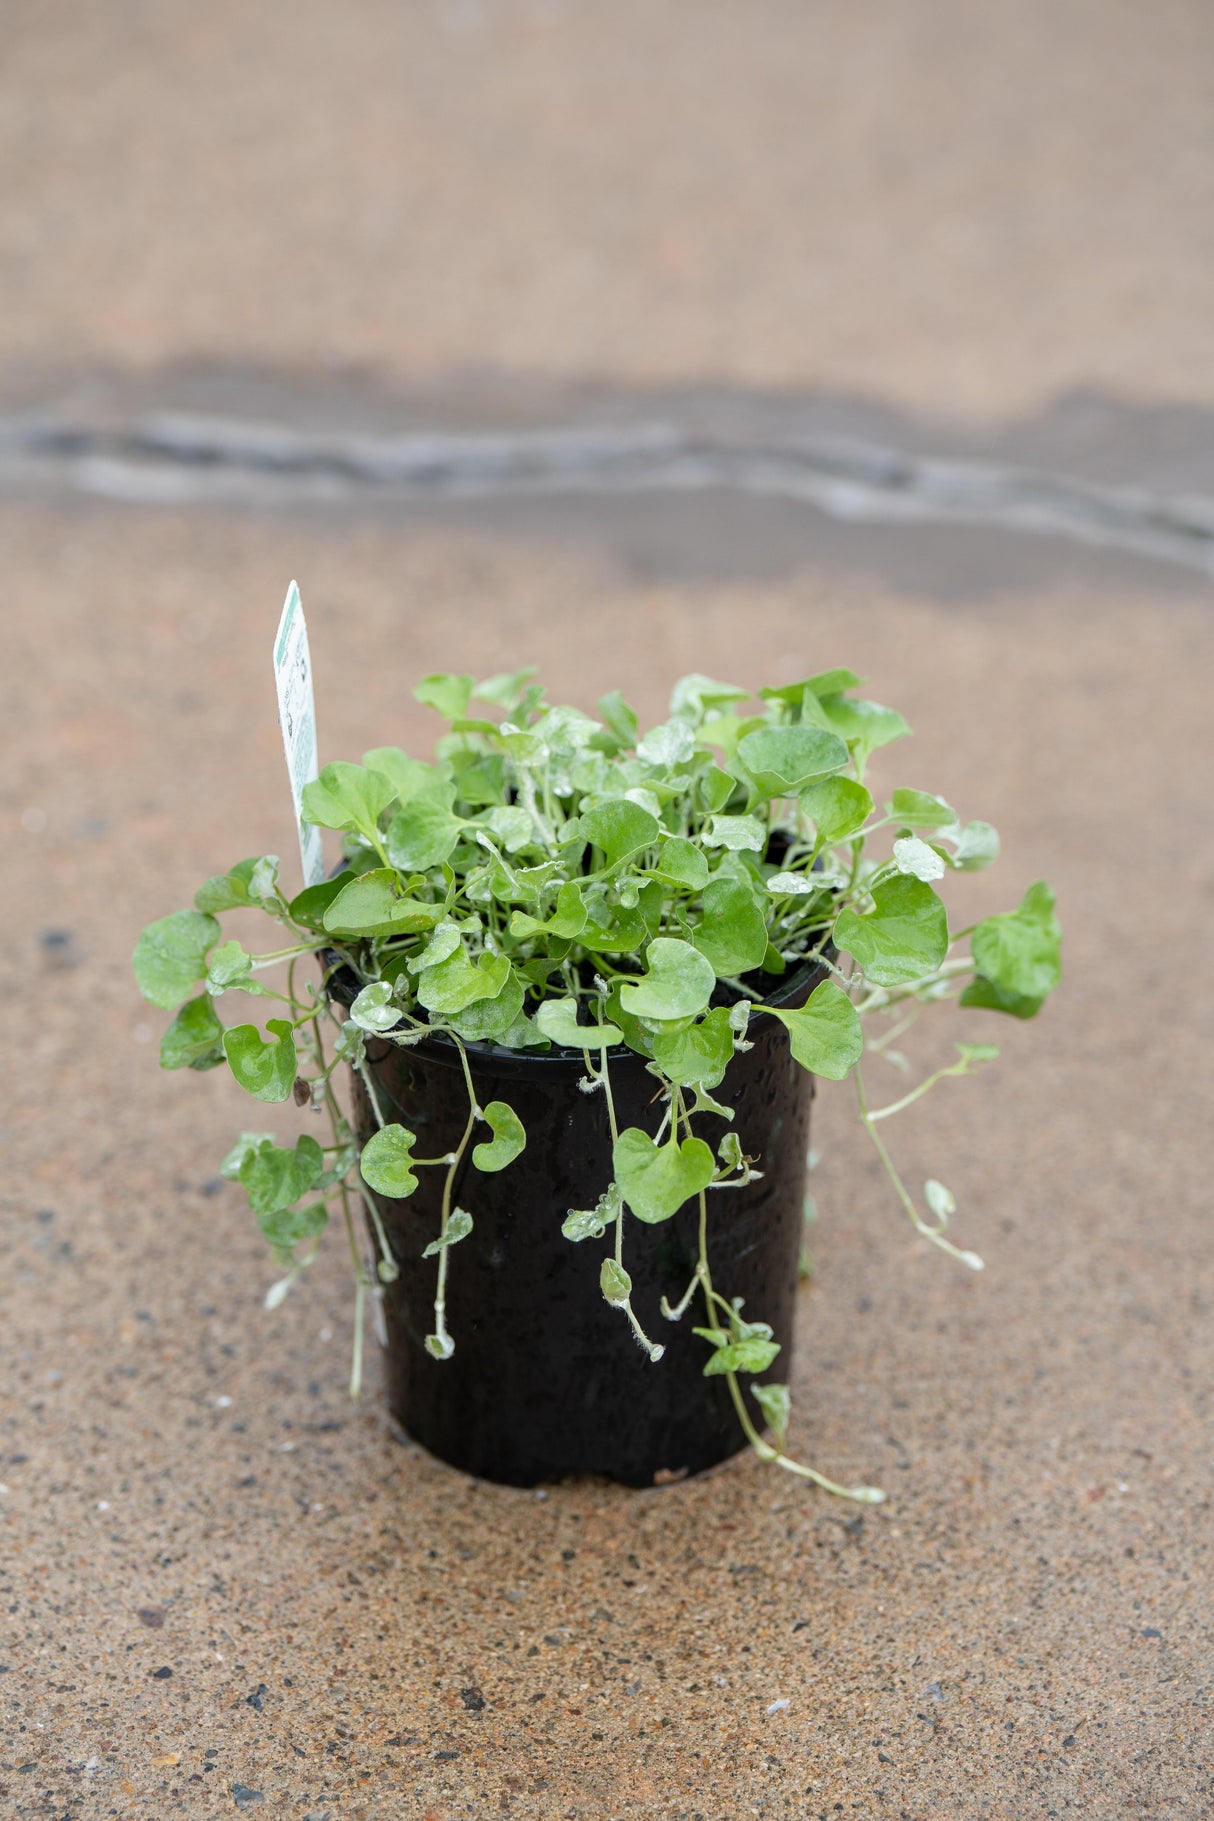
(550, 879)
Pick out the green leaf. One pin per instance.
(265, 1070)
(733, 935)
(508, 1139)
(775, 1403)
(459, 1225)
(506, 688)
(678, 984)
(824, 1034)
(458, 982)
(230, 969)
(620, 718)
(837, 807)
(558, 1020)
(656, 1180)
(248, 1141)
(274, 1177)
(917, 809)
(374, 1009)
(752, 1353)
(620, 828)
(171, 954)
(1019, 951)
(615, 1283)
(695, 696)
(511, 827)
(903, 937)
(348, 797)
(864, 725)
(286, 1227)
(986, 996)
(667, 746)
(425, 832)
(490, 1020)
(386, 1164)
(194, 1040)
(917, 859)
(249, 882)
(406, 776)
(782, 760)
(449, 694)
(974, 847)
(442, 943)
(740, 834)
(681, 862)
(377, 905)
(308, 907)
(827, 682)
(592, 1223)
(568, 919)
(699, 1055)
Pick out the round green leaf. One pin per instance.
(171, 954)
(557, 1019)
(265, 1070)
(620, 828)
(285, 1227)
(656, 1180)
(1019, 951)
(733, 935)
(376, 904)
(386, 1163)
(781, 760)
(508, 1139)
(902, 938)
(458, 982)
(194, 1040)
(374, 1009)
(348, 797)
(489, 1020)
(425, 832)
(919, 809)
(274, 1177)
(837, 807)
(699, 1055)
(678, 984)
(824, 1034)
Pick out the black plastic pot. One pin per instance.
(546, 1379)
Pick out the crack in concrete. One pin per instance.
(180, 458)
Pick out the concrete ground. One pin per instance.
(224, 1586)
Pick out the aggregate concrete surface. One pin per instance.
(224, 1587)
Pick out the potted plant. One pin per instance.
(583, 981)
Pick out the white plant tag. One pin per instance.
(297, 715)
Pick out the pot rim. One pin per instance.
(496, 1059)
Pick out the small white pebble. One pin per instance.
(33, 821)
(779, 1707)
(326, 1334)
(3, 1492)
(1122, 1487)
(223, 1403)
(541, 1494)
(103, 1504)
(318, 1507)
(285, 1447)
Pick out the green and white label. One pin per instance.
(297, 715)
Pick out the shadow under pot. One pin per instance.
(547, 1379)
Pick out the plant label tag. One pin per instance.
(297, 715)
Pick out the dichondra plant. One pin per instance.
(554, 879)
